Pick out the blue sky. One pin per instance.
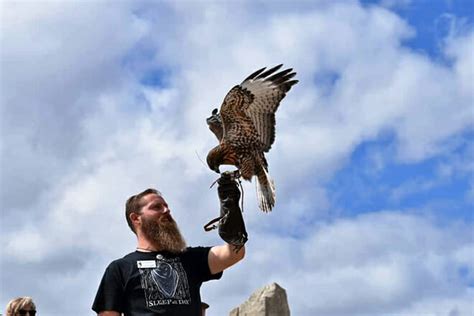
(373, 158)
(433, 20)
(426, 183)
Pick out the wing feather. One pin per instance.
(269, 72)
(265, 125)
(267, 93)
(254, 74)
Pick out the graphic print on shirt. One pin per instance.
(165, 283)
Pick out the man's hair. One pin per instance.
(134, 205)
(18, 303)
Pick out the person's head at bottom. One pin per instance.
(21, 306)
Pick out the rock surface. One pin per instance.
(270, 300)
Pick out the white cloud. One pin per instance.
(460, 48)
(381, 263)
(56, 60)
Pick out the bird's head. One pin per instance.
(214, 159)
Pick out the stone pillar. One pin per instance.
(270, 300)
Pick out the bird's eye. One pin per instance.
(214, 112)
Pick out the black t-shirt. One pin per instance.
(155, 283)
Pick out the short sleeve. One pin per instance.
(110, 295)
(200, 257)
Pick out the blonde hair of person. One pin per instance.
(14, 306)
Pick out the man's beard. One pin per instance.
(164, 234)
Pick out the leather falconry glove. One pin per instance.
(230, 223)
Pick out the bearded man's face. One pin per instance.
(159, 227)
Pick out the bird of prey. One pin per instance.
(245, 128)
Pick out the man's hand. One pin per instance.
(230, 222)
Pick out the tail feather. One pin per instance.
(265, 191)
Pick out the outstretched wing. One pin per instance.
(250, 107)
(268, 88)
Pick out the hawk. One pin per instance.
(245, 128)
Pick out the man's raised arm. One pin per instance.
(224, 256)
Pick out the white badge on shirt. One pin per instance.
(146, 264)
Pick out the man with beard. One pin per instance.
(163, 276)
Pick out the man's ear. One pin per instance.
(135, 218)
